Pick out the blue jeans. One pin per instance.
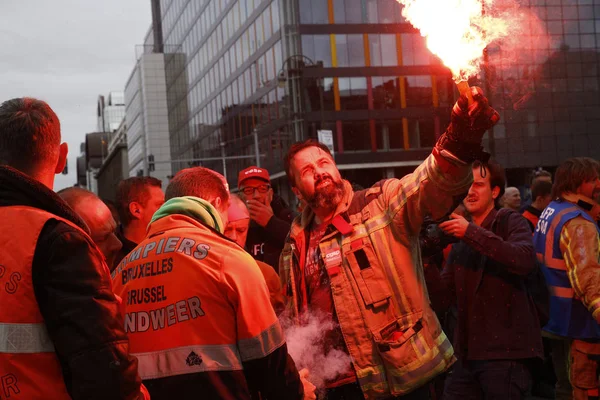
(488, 380)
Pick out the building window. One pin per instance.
(350, 50)
(353, 93)
(313, 12)
(317, 48)
(383, 50)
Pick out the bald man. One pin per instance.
(511, 198)
(98, 218)
(237, 230)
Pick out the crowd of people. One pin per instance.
(439, 285)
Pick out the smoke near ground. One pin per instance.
(306, 346)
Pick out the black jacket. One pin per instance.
(75, 297)
(128, 247)
(486, 276)
(265, 244)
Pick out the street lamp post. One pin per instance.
(222, 144)
(256, 151)
(283, 76)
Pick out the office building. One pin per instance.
(548, 92)
(93, 154)
(146, 116)
(358, 70)
(115, 164)
(100, 163)
(253, 76)
(111, 111)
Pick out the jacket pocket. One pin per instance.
(367, 272)
(583, 364)
(398, 349)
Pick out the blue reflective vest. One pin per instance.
(568, 316)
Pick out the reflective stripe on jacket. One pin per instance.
(392, 334)
(188, 309)
(569, 317)
(29, 367)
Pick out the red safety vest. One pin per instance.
(29, 368)
(531, 218)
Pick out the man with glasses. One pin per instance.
(270, 216)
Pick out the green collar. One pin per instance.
(194, 207)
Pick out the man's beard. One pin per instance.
(327, 197)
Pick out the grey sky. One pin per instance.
(67, 52)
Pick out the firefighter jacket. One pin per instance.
(61, 334)
(197, 311)
(566, 243)
(371, 252)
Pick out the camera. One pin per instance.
(432, 239)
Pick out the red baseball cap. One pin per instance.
(253, 172)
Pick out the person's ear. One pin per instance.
(495, 192)
(63, 152)
(135, 210)
(218, 203)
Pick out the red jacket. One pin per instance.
(532, 215)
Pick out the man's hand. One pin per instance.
(259, 213)
(309, 388)
(468, 124)
(457, 226)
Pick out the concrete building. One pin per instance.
(81, 168)
(96, 161)
(93, 154)
(146, 116)
(115, 165)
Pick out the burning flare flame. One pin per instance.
(457, 31)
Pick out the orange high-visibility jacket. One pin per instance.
(531, 217)
(29, 367)
(195, 303)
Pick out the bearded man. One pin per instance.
(354, 258)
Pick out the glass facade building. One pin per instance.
(224, 86)
(250, 77)
(258, 75)
(146, 118)
(110, 112)
(549, 93)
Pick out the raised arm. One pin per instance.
(445, 176)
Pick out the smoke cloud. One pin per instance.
(514, 62)
(503, 37)
(306, 346)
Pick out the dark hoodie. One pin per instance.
(265, 244)
(74, 293)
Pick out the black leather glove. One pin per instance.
(468, 124)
